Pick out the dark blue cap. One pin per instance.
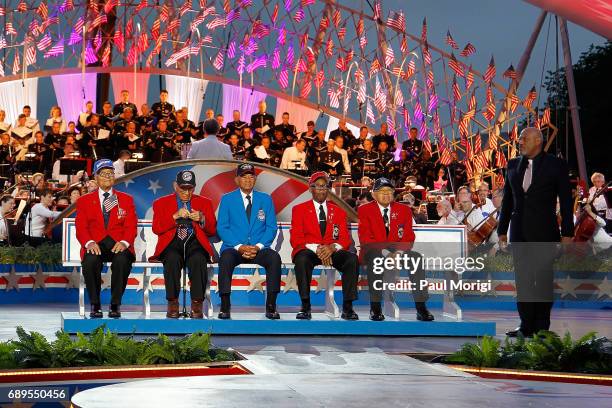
(382, 182)
(102, 164)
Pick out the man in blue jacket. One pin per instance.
(247, 226)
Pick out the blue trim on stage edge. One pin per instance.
(257, 324)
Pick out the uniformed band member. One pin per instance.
(288, 129)
(247, 226)
(330, 161)
(106, 229)
(413, 146)
(183, 221)
(365, 162)
(343, 131)
(125, 103)
(261, 119)
(385, 229)
(384, 136)
(163, 109)
(320, 236)
(236, 126)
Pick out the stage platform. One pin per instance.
(257, 324)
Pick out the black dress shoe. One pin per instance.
(96, 312)
(271, 313)
(424, 315)
(349, 315)
(518, 332)
(114, 312)
(304, 314)
(224, 315)
(376, 316)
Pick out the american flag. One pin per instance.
(360, 27)
(260, 30)
(545, 119)
(90, 55)
(404, 46)
(232, 16)
(68, 5)
(397, 21)
(99, 20)
(274, 15)
(143, 4)
(241, 63)
(44, 42)
(329, 47)
(427, 145)
(363, 41)
(531, 96)
(259, 62)
(399, 96)
(197, 21)
(510, 73)
(391, 125)
(216, 22)
(118, 40)
(514, 102)
(426, 55)
(30, 54)
(514, 132)
(424, 30)
(500, 159)
(290, 55)
(359, 76)
(283, 79)
(423, 131)
(336, 18)
(110, 202)
(446, 158)
(43, 11)
(361, 93)
(380, 99)
(389, 57)
(375, 67)
(276, 58)
(108, 7)
(2, 42)
(164, 13)
(304, 40)
(319, 78)
(10, 30)
(188, 49)
(411, 69)
(472, 105)
(22, 6)
(16, 62)
(454, 65)
(490, 72)
(477, 144)
(218, 63)
(370, 113)
(301, 66)
(307, 88)
(299, 15)
(377, 10)
(231, 50)
(155, 29)
(324, 24)
(334, 98)
(456, 91)
(450, 41)
(106, 54)
(342, 33)
(468, 50)
(489, 112)
(469, 78)
(418, 113)
(406, 115)
(481, 161)
(185, 7)
(433, 104)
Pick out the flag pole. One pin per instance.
(136, 57)
(344, 104)
(83, 63)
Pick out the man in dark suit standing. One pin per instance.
(262, 122)
(533, 182)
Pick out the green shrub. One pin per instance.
(105, 348)
(546, 351)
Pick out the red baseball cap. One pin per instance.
(317, 175)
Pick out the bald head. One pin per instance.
(531, 142)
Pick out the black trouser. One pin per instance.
(175, 256)
(344, 261)
(266, 257)
(121, 265)
(376, 291)
(533, 270)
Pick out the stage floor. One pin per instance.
(46, 319)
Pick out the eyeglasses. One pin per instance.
(319, 186)
(106, 174)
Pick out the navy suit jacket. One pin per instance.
(532, 214)
(233, 227)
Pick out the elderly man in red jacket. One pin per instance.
(106, 229)
(385, 229)
(320, 236)
(183, 221)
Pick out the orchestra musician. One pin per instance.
(446, 213)
(39, 217)
(603, 207)
(294, 157)
(7, 203)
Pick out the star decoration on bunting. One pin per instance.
(255, 282)
(128, 182)
(74, 278)
(154, 186)
(604, 289)
(568, 288)
(39, 280)
(290, 282)
(12, 280)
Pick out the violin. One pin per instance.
(585, 225)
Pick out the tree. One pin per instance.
(593, 78)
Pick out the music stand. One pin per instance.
(71, 167)
(28, 166)
(133, 165)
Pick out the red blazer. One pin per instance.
(164, 226)
(372, 227)
(90, 222)
(305, 227)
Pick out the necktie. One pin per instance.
(106, 211)
(386, 219)
(322, 220)
(249, 207)
(528, 175)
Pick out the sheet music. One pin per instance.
(132, 137)
(103, 134)
(265, 129)
(261, 152)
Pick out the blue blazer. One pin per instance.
(233, 227)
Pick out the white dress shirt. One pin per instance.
(3, 229)
(39, 217)
(313, 247)
(245, 202)
(450, 219)
(290, 155)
